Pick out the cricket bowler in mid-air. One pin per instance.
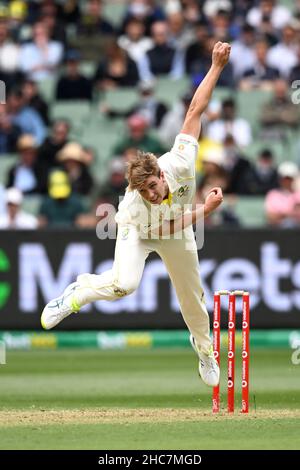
(156, 186)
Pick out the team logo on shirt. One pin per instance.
(120, 292)
(124, 234)
(183, 190)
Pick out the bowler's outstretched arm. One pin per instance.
(220, 57)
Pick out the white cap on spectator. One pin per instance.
(117, 165)
(214, 155)
(14, 196)
(288, 170)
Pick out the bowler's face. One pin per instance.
(154, 189)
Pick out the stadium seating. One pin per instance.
(250, 211)
(7, 161)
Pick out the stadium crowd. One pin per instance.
(50, 41)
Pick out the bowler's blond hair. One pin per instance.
(140, 168)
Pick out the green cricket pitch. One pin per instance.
(143, 399)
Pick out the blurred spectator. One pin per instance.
(195, 52)
(278, 15)
(173, 120)
(282, 204)
(161, 59)
(116, 69)
(9, 56)
(60, 208)
(54, 143)
(92, 21)
(134, 41)
(242, 55)
(9, 132)
(146, 11)
(228, 123)
(29, 175)
(192, 11)
(2, 202)
(212, 7)
(148, 106)
(15, 217)
(75, 164)
(34, 100)
(115, 187)
(260, 76)
(71, 12)
(41, 57)
(181, 35)
(220, 24)
(263, 176)
(280, 113)
(237, 167)
(295, 72)
(284, 54)
(138, 137)
(199, 68)
(213, 172)
(25, 117)
(18, 19)
(72, 85)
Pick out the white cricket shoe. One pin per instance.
(61, 307)
(208, 367)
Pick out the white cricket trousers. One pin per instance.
(181, 263)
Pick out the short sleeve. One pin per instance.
(186, 146)
(182, 157)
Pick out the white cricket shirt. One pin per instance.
(178, 166)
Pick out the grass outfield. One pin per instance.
(137, 399)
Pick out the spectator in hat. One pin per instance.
(29, 175)
(213, 171)
(18, 19)
(138, 137)
(61, 208)
(282, 204)
(59, 136)
(40, 58)
(74, 161)
(15, 217)
(73, 85)
(148, 106)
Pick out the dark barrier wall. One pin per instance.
(37, 266)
